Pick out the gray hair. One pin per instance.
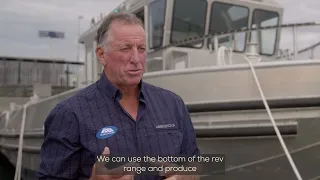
(125, 17)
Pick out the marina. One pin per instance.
(248, 98)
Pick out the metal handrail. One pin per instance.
(311, 47)
(246, 29)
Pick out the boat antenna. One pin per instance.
(253, 56)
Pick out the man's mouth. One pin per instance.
(134, 71)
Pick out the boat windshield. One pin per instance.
(266, 38)
(227, 17)
(189, 19)
(156, 16)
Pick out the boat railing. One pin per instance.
(3, 118)
(311, 49)
(36, 112)
(27, 121)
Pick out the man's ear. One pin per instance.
(100, 53)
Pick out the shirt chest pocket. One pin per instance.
(162, 142)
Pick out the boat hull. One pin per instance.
(235, 84)
(263, 157)
(247, 156)
(254, 153)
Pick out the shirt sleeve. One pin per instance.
(189, 143)
(59, 155)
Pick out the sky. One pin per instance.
(20, 21)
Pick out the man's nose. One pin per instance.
(135, 56)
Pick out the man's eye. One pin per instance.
(124, 49)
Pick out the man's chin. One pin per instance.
(133, 81)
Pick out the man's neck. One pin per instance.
(129, 92)
(129, 100)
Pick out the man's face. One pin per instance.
(125, 56)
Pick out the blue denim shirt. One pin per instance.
(70, 148)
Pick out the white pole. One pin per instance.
(294, 29)
(79, 19)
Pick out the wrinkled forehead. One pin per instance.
(124, 32)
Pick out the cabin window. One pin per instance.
(266, 38)
(228, 17)
(189, 19)
(157, 12)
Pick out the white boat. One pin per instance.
(203, 51)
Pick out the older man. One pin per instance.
(119, 114)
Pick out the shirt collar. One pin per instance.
(113, 92)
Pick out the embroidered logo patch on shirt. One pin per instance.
(165, 126)
(106, 132)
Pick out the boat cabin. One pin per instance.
(170, 21)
